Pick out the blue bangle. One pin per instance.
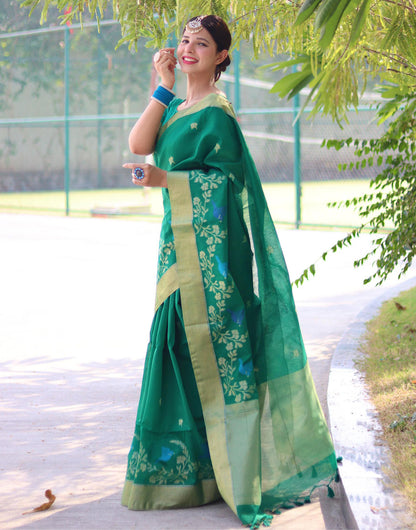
(163, 95)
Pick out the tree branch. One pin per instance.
(393, 57)
(401, 73)
(255, 10)
(411, 8)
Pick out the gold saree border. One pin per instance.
(244, 452)
(167, 285)
(274, 431)
(143, 496)
(198, 332)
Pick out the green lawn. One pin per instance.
(139, 202)
(390, 372)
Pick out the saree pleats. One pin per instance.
(226, 368)
(169, 465)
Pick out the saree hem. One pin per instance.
(166, 497)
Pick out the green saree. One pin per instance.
(228, 407)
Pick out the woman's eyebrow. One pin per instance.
(185, 36)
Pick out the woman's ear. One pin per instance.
(221, 56)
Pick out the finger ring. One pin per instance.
(156, 57)
(138, 173)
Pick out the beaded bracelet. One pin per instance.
(163, 95)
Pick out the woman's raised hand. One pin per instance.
(165, 63)
(147, 175)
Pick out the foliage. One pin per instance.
(353, 40)
(381, 37)
(370, 38)
(337, 41)
(156, 19)
(392, 196)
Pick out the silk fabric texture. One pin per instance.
(228, 407)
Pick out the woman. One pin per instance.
(227, 407)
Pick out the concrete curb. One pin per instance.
(368, 499)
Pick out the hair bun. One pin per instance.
(222, 67)
(226, 62)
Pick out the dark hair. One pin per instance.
(219, 31)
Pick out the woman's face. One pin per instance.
(197, 53)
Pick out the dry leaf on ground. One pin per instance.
(46, 505)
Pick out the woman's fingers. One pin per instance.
(132, 165)
(139, 173)
(165, 57)
(164, 51)
(167, 54)
(164, 62)
(147, 175)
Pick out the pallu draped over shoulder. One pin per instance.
(228, 407)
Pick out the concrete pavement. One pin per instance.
(76, 303)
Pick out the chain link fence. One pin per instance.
(68, 99)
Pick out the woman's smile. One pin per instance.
(189, 60)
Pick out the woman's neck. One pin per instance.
(197, 89)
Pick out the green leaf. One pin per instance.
(359, 22)
(307, 9)
(290, 82)
(302, 84)
(314, 82)
(329, 29)
(299, 59)
(325, 11)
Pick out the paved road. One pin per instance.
(76, 303)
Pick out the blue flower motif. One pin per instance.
(166, 454)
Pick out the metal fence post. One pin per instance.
(297, 177)
(236, 60)
(100, 62)
(66, 84)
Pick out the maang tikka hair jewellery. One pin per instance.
(195, 25)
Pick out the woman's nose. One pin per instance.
(189, 46)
